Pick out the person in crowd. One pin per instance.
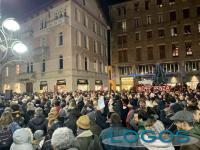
(184, 121)
(196, 115)
(30, 111)
(63, 139)
(38, 136)
(39, 122)
(191, 104)
(85, 138)
(116, 129)
(22, 139)
(52, 116)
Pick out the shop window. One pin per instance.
(187, 29)
(138, 54)
(161, 33)
(175, 50)
(149, 35)
(162, 51)
(174, 32)
(186, 13)
(188, 48)
(61, 62)
(173, 16)
(150, 53)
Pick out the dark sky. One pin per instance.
(21, 8)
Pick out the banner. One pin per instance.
(153, 88)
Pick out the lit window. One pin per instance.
(174, 31)
(175, 50)
(188, 48)
(124, 26)
(17, 69)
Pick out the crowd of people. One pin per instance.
(82, 121)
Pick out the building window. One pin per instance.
(86, 42)
(148, 20)
(146, 5)
(84, 2)
(85, 20)
(187, 29)
(159, 2)
(31, 67)
(122, 26)
(161, 33)
(95, 46)
(95, 66)
(199, 27)
(137, 22)
(60, 62)
(43, 65)
(174, 31)
(43, 41)
(160, 18)
(76, 14)
(137, 36)
(191, 66)
(186, 13)
(27, 68)
(138, 54)
(60, 42)
(175, 50)
(17, 69)
(136, 6)
(149, 34)
(150, 53)
(188, 48)
(171, 2)
(162, 51)
(122, 42)
(123, 56)
(86, 64)
(121, 11)
(7, 71)
(198, 11)
(102, 49)
(173, 16)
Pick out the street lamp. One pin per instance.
(10, 47)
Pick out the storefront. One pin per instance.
(126, 83)
(82, 85)
(192, 83)
(61, 85)
(98, 85)
(43, 86)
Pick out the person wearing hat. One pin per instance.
(22, 139)
(39, 122)
(86, 140)
(38, 137)
(184, 121)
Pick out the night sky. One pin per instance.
(21, 8)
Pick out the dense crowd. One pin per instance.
(81, 121)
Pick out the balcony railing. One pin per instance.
(27, 76)
(58, 21)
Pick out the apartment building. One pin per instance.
(67, 42)
(149, 32)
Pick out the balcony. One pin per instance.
(58, 21)
(25, 77)
(40, 52)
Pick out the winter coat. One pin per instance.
(88, 141)
(38, 123)
(101, 120)
(71, 124)
(5, 137)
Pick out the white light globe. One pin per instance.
(11, 25)
(19, 47)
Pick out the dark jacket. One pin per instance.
(5, 137)
(38, 123)
(88, 141)
(101, 120)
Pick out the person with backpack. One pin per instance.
(86, 140)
